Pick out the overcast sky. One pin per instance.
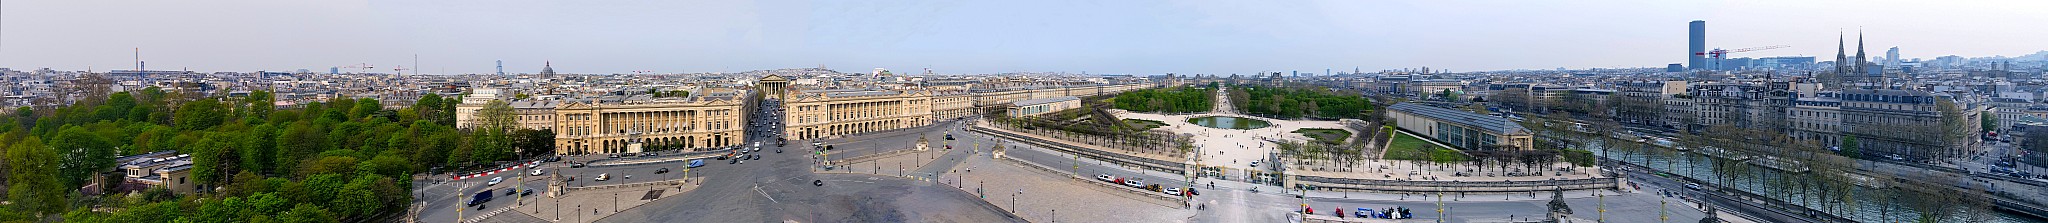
(1133, 37)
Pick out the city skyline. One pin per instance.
(975, 37)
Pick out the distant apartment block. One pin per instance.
(1041, 106)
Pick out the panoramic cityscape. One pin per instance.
(1055, 111)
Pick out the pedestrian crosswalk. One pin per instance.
(487, 215)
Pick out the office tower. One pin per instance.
(1696, 46)
(1891, 57)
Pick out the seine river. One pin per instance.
(1870, 205)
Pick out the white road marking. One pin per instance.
(757, 188)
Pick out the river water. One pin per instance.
(1868, 205)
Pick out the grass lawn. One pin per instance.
(1406, 147)
(1143, 125)
(1330, 136)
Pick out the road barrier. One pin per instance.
(1456, 186)
(496, 171)
(657, 159)
(640, 184)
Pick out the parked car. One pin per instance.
(1693, 186)
(575, 165)
(1175, 191)
(511, 191)
(495, 181)
(526, 192)
(1134, 182)
(1105, 177)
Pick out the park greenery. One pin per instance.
(338, 160)
(1093, 124)
(1298, 102)
(1142, 125)
(1408, 147)
(1167, 100)
(1325, 136)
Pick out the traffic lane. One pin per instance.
(1241, 205)
(1088, 168)
(587, 176)
(454, 202)
(1678, 188)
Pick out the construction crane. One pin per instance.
(1718, 54)
(400, 70)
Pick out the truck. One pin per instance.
(480, 198)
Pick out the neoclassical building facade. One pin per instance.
(827, 113)
(628, 125)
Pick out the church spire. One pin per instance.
(1859, 53)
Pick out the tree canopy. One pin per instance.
(323, 161)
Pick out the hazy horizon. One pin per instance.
(1121, 37)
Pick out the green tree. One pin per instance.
(297, 142)
(199, 114)
(1850, 146)
(85, 155)
(260, 148)
(261, 103)
(364, 108)
(33, 186)
(214, 157)
(307, 213)
(1989, 121)
(492, 139)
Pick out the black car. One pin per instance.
(949, 136)
(511, 191)
(661, 171)
(526, 192)
(575, 165)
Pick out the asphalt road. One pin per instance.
(1656, 184)
(779, 187)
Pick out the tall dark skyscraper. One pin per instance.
(1696, 44)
